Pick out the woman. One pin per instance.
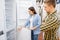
(33, 23)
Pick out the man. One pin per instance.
(50, 24)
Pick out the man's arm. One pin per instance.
(49, 24)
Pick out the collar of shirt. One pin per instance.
(52, 13)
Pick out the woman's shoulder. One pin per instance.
(37, 15)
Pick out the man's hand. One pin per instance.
(59, 38)
(43, 23)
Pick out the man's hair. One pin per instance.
(50, 2)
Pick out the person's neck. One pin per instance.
(32, 15)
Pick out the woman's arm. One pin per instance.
(38, 23)
(27, 22)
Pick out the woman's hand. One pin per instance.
(32, 28)
(19, 28)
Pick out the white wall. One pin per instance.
(22, 8)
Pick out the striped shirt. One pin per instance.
(50, 27)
